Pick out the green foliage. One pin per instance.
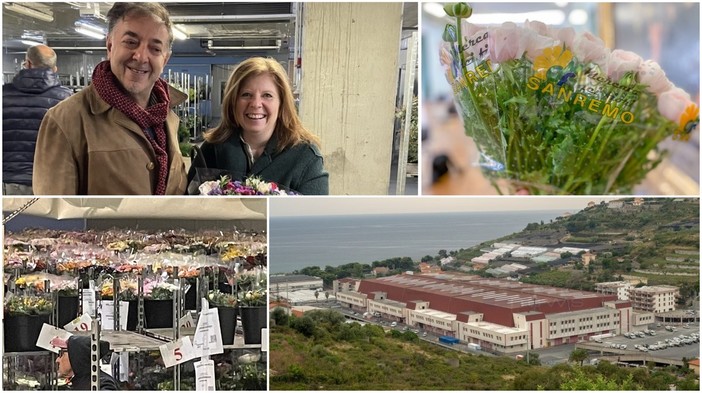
(280, 317)
(185, 148)
(578, 356)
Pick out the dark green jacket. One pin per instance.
(299, 168)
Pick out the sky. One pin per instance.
(322, 206)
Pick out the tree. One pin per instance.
(280, 317)
(578, 355)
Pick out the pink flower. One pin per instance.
(534, 43)
(505, 43)
(564, 35)
(589, 48)
(651, 75)
(672, 103)
(469, 29)
(620, 62)
(538, 27)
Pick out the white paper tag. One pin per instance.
(204, 375)
(89, 301)
(177, 352)
(264, 339)
(80, 324)
(186, 321)
(107, 311)
(208, 337)
(124, 367)
(48, 333)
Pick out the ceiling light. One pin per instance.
(210, 45)
(90, 33)
(30, 42)
(578, 17)
(179, 32)
(91, 27)
(29, 12)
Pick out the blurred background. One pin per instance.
(668, 33)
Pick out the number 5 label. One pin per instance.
(177, 352)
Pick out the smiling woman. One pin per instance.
(261, 134)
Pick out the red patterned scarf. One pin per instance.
(154, 117)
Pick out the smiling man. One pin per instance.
(118, 136)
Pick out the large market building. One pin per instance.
(501, 315)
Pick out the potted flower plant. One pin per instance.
(24, 316)
(254, 313)
(226, 308)
(158, 304)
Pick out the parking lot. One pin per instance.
(689, 351)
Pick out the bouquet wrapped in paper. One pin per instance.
(555, 112)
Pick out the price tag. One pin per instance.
(49, 332)
(89, 301)
(107, 311)
(264, 339)
(186, 321)
(177, 352)
(208, 337)
(204, 375)
(80, 324)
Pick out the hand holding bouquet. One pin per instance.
(556, 112)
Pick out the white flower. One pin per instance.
(207, 187)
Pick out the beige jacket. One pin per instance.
(86, 147)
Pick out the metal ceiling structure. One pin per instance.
(225, 26)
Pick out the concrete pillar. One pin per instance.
(348, 87)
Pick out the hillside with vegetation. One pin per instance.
(657, 242)
(319, 351)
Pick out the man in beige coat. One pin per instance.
(118, 136)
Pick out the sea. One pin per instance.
(298, 242)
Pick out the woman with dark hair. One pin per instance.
(261, 134)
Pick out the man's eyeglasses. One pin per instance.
(61, 352)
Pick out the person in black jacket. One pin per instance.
(261, 134)
(25, 101)
(74, 363)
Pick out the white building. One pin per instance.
(293, 282)
(619, 288)
(655, 299)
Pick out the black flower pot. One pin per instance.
(253, 319)
(133, 315)
(227, 323)
(22, 332)
(68, 309)
(158, 314)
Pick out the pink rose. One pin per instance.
(538, 27)
(505, 43)
(620, 62)
(651, 75)
(672, 103)
(565, 35)
(588, 48)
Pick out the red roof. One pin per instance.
(496, 299)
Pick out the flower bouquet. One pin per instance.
(253, 298)
(250, 186)
(555, 112)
